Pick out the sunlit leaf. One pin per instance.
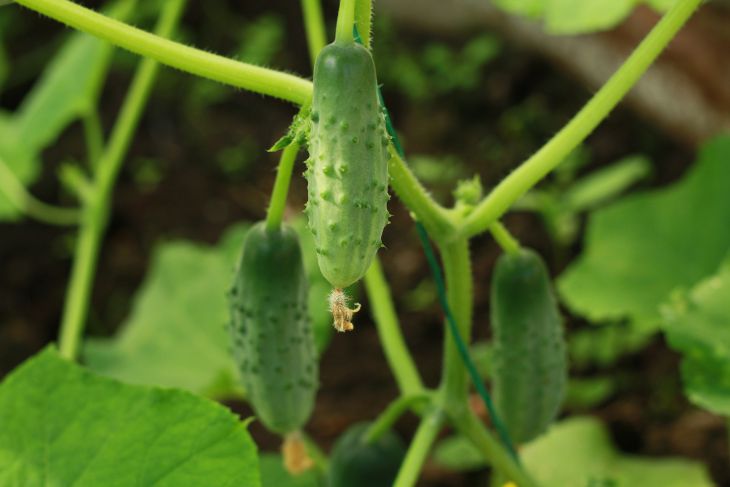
(62, 426)
(640, 248)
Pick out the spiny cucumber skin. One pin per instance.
(529, 362)
(273, 343)
(347, 169)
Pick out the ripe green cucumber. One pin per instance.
(272, 338)
(530, 367)
(354, 463)
(347, 169)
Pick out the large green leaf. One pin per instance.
(62, 426)
(67, 90)
(640, 248)
(697, 324)
(578, 16)
(176, 335)
(578, 452)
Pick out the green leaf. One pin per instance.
(64, 426)
(578, 16)
(592, 458)
(697, 324)
(640, 248)
(569, 17)
(606, 183)
(273, 474)
(176, 335)
(68, 89)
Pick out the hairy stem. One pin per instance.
(386, 321)
(364, 21)
(277, 203)
(426, 433)
(345, 22)
(585, 121)
(97, 207)
(196, 61)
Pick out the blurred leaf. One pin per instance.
(578, 16)
(595, 461)
(67, 89)
(176, 335)
(24, 165)
(65, 426)
(606, 183)
(587, 393)
(601, 346)
(261, 40)
(4, 63)
(642, 247)
(568, 17)
(697, 324)
(273, 473)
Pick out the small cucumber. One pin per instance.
(272, 338)
(347, 169)
(530, 368)
(354, 463)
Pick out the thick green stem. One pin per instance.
(459, 293)
(281, 186)
(470, 427)
(409, 189)
(386, 322)
(546, 159)
(364, 21)
(314, 27)
(97, 207)
(426, 434)
(247, 76)
(345, 22)
(18, 196)
(395, 410)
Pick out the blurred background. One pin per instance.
(473, 90)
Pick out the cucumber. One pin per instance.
(347, 169)
(354, 463)
(271, 335)
(530, 365)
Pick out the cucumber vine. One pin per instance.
(450, 228)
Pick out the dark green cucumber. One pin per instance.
(354, 463)
(347, 169)
(530, 367)
(272, 338)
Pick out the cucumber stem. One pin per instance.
(345, 22)
(392, 413)
(277, 204)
